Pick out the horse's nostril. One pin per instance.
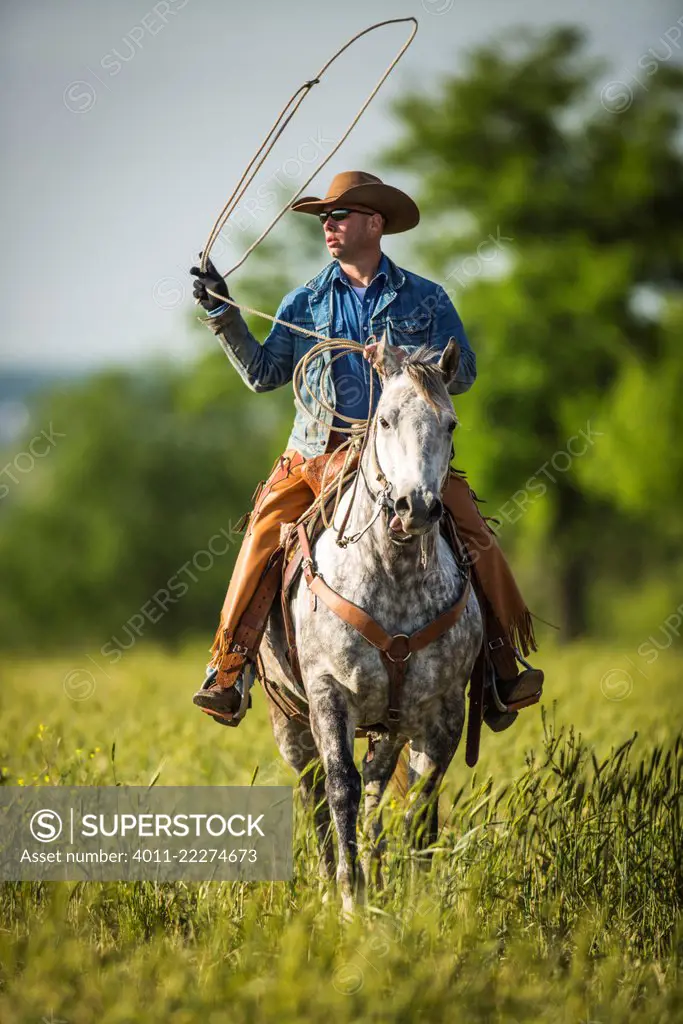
(401, 506)
(435, 510)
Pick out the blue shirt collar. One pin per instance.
(382, 271)
(323, 279)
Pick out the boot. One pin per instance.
(226, 704)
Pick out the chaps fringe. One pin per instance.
(521, 633)
(221, 645)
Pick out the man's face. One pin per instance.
(348, 238)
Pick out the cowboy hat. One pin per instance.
(358, 188)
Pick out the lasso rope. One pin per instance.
(299, 381)
(340, 346)
(276, 131)
(266, 146)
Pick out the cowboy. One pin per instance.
(361, 295)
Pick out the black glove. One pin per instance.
(210, 279)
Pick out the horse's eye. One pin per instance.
(383, 423)
(451, 425)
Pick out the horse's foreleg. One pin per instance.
(430, 756)
(297, 746)
(422, 819)
(376, 775)
(312, 788)
(334, 735)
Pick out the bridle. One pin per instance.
(385, 485)
(382, 497)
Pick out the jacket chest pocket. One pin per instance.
(406, 330)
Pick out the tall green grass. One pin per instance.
(554, 892)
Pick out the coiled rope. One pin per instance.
(300, 380)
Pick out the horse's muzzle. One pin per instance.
(417, 514)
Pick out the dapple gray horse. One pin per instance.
(401, 571)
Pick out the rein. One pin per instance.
(381, 499)
(362, 429)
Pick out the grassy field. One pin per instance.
(555, 894)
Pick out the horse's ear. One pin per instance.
(387, 358)
(449, 362)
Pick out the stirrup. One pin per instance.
(513, 706)
(211, 674)
(498, 703)
(248, 674)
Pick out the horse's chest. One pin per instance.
(402, 600)
(331, 647)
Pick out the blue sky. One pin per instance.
(125, 126)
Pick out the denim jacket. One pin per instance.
(411, 310)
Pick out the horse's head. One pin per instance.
(412, 434)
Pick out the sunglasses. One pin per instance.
(341, 214)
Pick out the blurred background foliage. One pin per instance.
(557, 227)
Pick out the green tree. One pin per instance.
(556, 225)
(152, 465)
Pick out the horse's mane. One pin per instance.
(423, 370)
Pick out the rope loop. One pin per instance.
(281, 122)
